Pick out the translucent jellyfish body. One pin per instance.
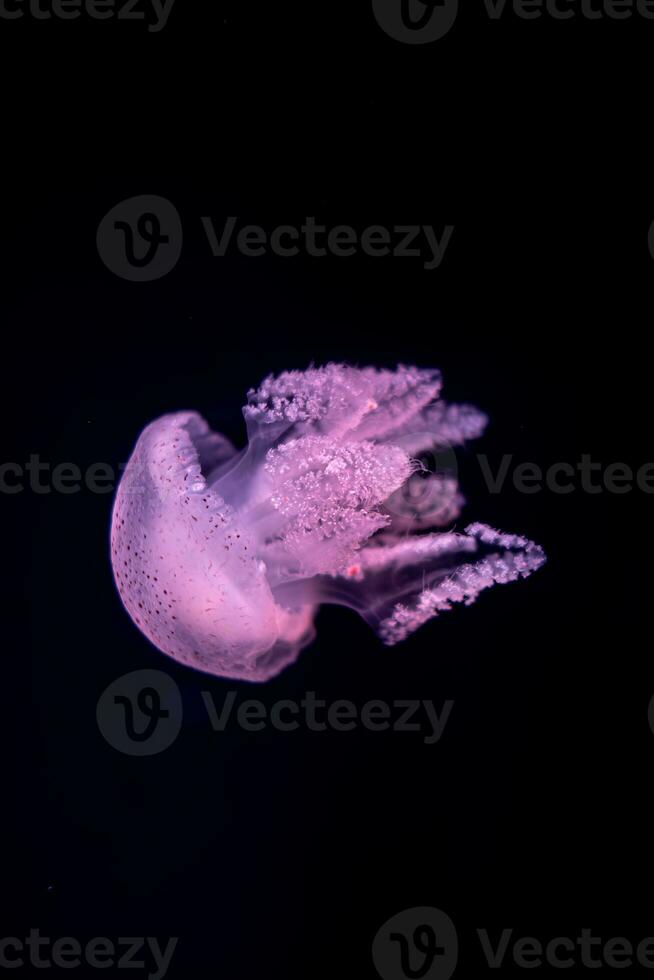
(222, 557)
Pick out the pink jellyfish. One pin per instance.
(222, 557)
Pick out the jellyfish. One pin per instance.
(222, 557)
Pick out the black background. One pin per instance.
(281, 854)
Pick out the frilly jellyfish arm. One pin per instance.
(223, 557)
(448, 575)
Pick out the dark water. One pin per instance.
(281, 853)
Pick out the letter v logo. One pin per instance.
(415, 21)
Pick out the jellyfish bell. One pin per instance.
(222, 557)
(187, 567)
